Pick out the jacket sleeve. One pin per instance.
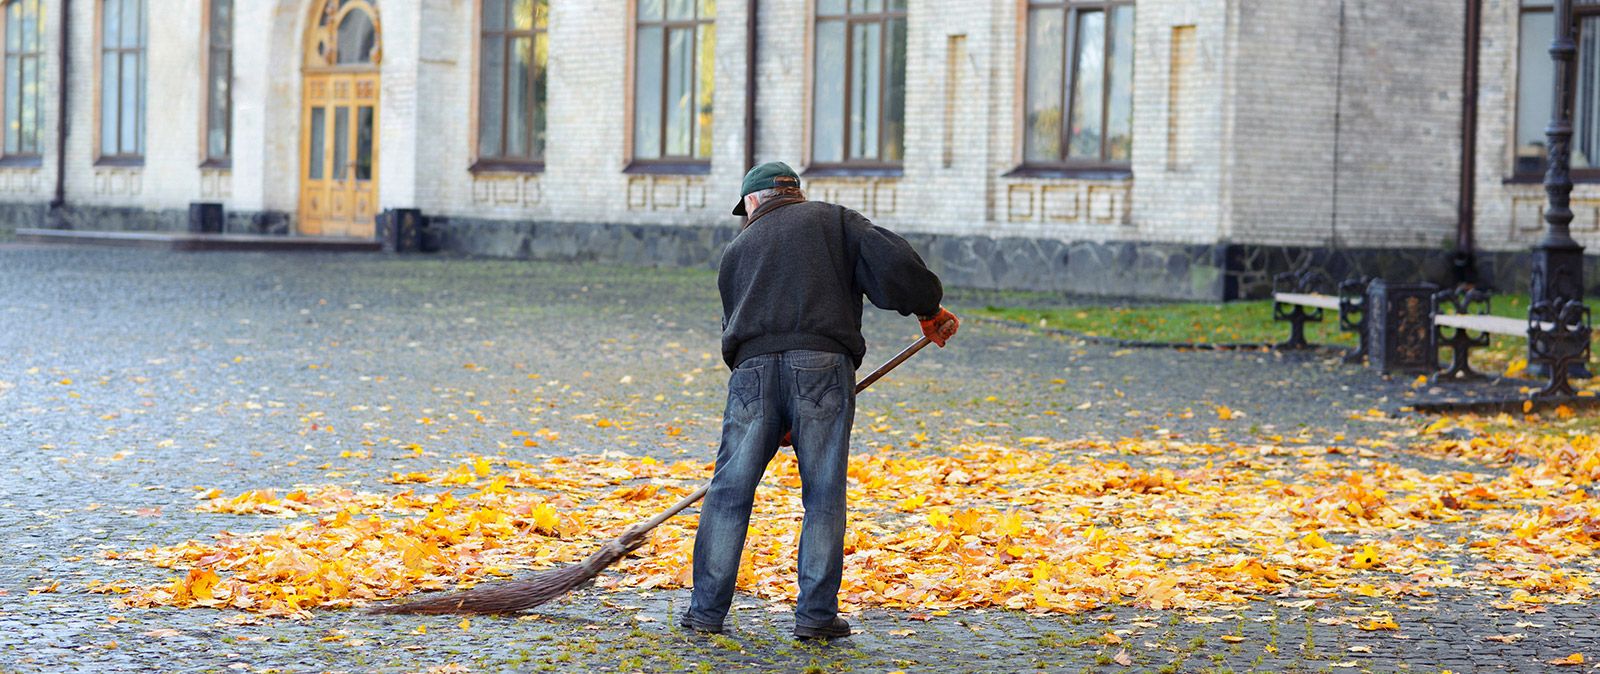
(889, 271)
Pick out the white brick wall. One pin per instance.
(1398, 107)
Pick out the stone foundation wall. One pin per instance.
(122, 219)
(1112, 269)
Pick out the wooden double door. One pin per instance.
(339, 154)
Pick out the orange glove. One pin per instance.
(940, 327)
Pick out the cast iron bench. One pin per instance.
(1298, 300)
(1557, 334)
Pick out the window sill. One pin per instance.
(858, 171)
(505, 166)
(122, 162)
(21, 161)
(1078, 173)
(681, 168)
(221, 164)
(1539, 180)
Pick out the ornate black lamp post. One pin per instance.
(1558, 322)
(1558, 259)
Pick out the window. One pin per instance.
(1078, 105)
(24, 56)
(1535, 77)
(858, 95)
(219, 76)
(1535, 90)
(511, 87)
(122, 79)
(675, 45)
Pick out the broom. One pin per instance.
(547, 585)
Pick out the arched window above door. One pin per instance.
(358, 38)
(344, 33)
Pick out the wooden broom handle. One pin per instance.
(904, 355)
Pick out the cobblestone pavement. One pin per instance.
(127, 378)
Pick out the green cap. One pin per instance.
(765, 177)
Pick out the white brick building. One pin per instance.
(1246, 137)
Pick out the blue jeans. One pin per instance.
(813, 393)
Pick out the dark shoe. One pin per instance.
(838, 629)
(702, 628)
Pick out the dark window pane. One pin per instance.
(1534, 78)
(132, 23)
(218, 110)
(705, 87)
(132, 74)
(1119, 111)
(519, 97)
(110, 23)
(896, 6)
(1586, 116)
(894, 93)
(859, 6)
(680, 90)
(29, 119)
(1042, 126)
(830, 6)
(680, 10)
(866, 64)
(647, 95)
(221, 23)
(827, 100)
(494, 15)
(541, 59)
(13, 110)
(14, 27)
(110, 77)
(1088, 87)
(650, 10)
(341, 142)
(522, 14)
(318, 147)
(356, 38)
(491, 97)
(364, 143)
(31, 26)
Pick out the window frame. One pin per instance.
(209, 44)
(847, 166)
(663, 163)
(506, 163)
(21, 157)
(1103, 167)
(141, 109)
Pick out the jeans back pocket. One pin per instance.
(744, 386)
(818, 390)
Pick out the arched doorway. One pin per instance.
(339, 119)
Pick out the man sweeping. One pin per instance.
(792, 282)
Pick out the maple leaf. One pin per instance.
(1366, 558)
(545, 518)
(1377, 624)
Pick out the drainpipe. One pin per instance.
(751, 8)
(1466, 262)
(60, 200)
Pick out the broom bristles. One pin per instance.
(514, 596)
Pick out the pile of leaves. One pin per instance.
(1041, 526)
